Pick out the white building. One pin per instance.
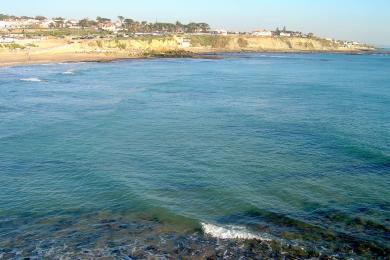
(183, 42)
(219, 32)
(285, 34)
(118, 24)
(5, 25)
(107, 26)
(47, 24)
(73, 24)
(263, 33)
(21, 24)
(7, 39)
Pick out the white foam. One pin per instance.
(230, 232)
(69, 72)
(31, 79)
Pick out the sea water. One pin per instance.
(134, 158)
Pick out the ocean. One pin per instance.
(252, 155)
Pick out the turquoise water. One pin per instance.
(283, 145)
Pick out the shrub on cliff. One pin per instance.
(242, 43)
(213, 41)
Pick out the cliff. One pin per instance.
(208, 43)
(264, 44)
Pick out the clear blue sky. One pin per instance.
(361, 20)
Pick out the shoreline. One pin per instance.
(53, 50)
(64, 58)
(21, 59)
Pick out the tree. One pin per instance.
(102, 19)
(128, 23)
(3, 17)
(143, 26)
(40, 18)
(59, 22)
(121, 19)
(85, 23)
(197, 27)
(204, 27)
(6, 17)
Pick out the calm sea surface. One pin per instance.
(293, 148)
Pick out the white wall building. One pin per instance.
(21, 24)
(107, 26)
(219, 32)
(5, 25)
(183, 42)
(73, 24)
(7, 40)
(47, 24)
(285, 34)
(263, 33)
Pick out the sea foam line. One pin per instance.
(231, 232)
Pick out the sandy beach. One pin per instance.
(57, 50)
(10, 59)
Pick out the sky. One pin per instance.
(366, 21)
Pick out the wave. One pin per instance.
(231, 232)
(31, 79)
(69, 72)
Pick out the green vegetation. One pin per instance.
(169, 54)
(287, 41)
(99, 43)
(6, 17)
(85, 23)
(120, 45)
(209, 40)
(133, 26)
(62, 32)
(59, 22)
(32, 45)
(242, 43)
(12, 46)
(309, 45)
(327, 43)
(127, 24)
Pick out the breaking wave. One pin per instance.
(231, 232)
(31, 79)
(69, 72)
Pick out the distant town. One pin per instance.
(13, 28)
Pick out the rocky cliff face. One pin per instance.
(207, 43)
(249, 43)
